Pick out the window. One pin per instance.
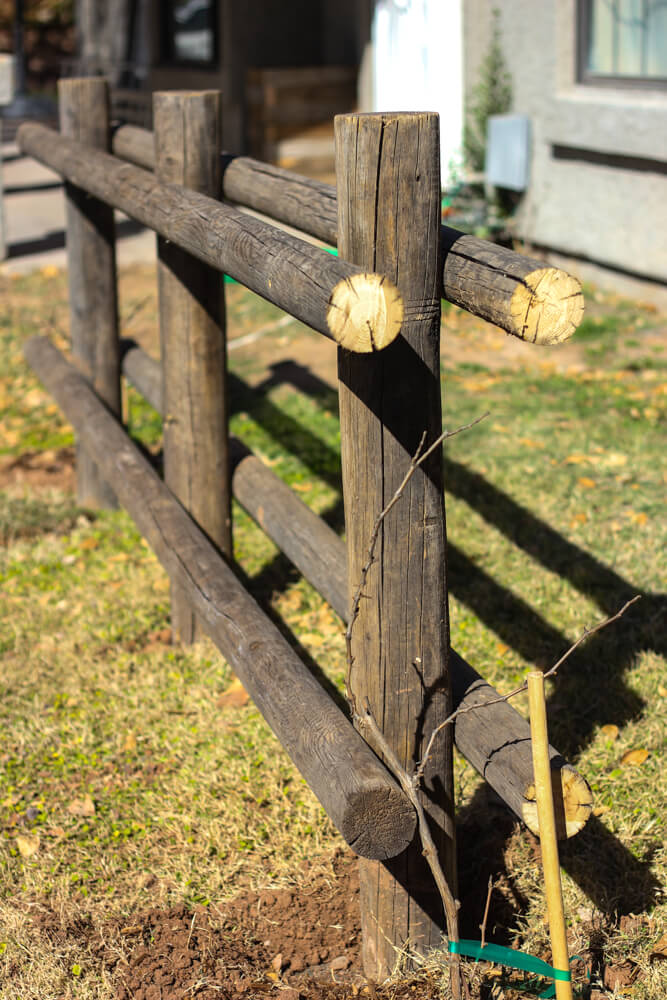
(190, 31)
(623, 41)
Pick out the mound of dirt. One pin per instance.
(252, 945)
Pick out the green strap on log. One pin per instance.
(513, 959)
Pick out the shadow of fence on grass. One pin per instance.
(590, 690)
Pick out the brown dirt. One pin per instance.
(299, 943)
(296, 943)
(39, 470)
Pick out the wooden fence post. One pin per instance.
(192, 335)
(388, 179)
(91, 263)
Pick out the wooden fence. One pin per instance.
(395, 264)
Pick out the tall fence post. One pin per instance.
(388, 179)
(91, 263)
(192, 335)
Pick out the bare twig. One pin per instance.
(482, 926)
(417, 459)
(365, 721)
(464, 709)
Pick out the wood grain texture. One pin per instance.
(521, 295)
(91, 269)
(388, 179)
(539, 304)
(355, 789)
(292, 274)
(495, 739)
(191, 302)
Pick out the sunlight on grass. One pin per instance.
(127, 779)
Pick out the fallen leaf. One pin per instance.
(292, 601)
(634, 757)
(131, 930)
(49, 271)
(610, 731)
(119, 557)
(34, 398)
(576, 459)
(588, 484)
(129, 743)
(659, 949)
(601, 810)
(302, 487)
(277, 962)
(89, 543)
(82, 807)
(312, 638)
(614, 459)
(662, 691)
(162, 584)
(161, 635)
(501, 648)
(580, 518)
(235, 696)
(28, 844)
(530, 443)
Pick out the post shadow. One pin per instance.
(592, 682)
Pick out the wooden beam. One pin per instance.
(304, 280)
(522, 295)
(388, 178)
(356, 791)
(191, 301)
(495, 739)
(91, 271)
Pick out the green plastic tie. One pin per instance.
(513, 959)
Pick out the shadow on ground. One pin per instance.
(592, 687)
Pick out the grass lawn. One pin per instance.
(136, 775)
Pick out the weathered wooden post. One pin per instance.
(192, 335)
(388, 179)
(91, 264)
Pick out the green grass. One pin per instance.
(126, 777)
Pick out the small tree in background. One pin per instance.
(492, 95)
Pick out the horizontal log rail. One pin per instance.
(354, 787)
(362, 312)
(522, 295)
(496, 738)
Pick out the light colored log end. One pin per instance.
(365, 313)
(547, 306)
(577, 803)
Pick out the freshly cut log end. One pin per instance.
(379, 823)
(573, 801)
(547, 306)
(365, 313)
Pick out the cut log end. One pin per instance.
(365, 313)
(379, 823)
(573, 801)
(547, 307)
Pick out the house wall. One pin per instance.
(598, 182)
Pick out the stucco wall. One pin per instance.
(607, 212)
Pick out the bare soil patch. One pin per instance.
(39, 470)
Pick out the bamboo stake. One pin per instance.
(547, 823)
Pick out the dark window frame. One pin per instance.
(584, 76)
(168, 26)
